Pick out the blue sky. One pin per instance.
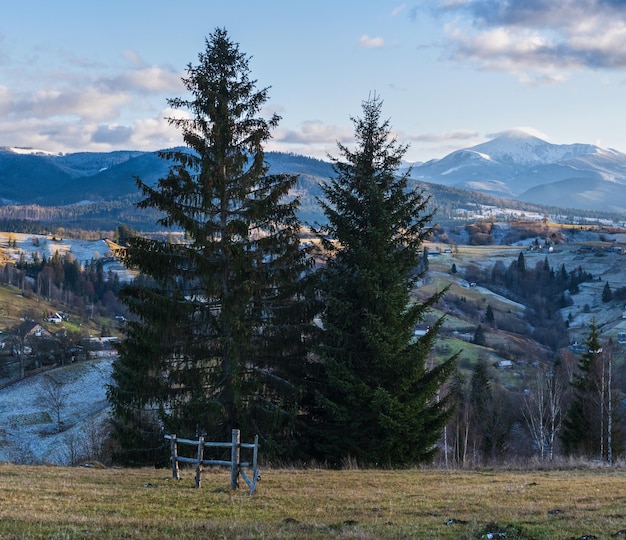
(94, 76)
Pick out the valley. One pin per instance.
(510, 349)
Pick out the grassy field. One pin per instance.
(73, 503)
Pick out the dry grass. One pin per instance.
(68, 503)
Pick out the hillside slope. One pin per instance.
(30, 431)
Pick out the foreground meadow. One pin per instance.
(68, 503)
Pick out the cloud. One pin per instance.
(90, 98)
(157, 132)
(397, 10)
(316, 139)
(60, 135)
(91, 118)
(5, 101)
(455, 135)
(312, 138)
(88, 106)
(134, 58)
(152, 79)
(314, 132)
(113, 135)
(436, 145)
(540, 36)
(51, 134)
(371, 42)
(522, 129)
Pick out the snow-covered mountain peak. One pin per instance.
(524, 149)
(518, 164)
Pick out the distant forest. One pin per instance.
(453, 207)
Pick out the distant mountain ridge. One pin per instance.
(514, 166)
(523, 167)
(51, 180)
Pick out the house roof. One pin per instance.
(31, 328)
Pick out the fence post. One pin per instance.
(234, 460)
(200, 458)
(174, 451)
(255, 468)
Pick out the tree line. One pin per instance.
(101, 216)
(571, 407)
(62, 278)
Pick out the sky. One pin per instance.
(95, 76)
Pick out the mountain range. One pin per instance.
(525, 168)
(514, 166)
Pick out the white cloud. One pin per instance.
(134, 58)
(5, 101)
(151, 79)
(523, 129)
(112, 134)
(312, 138)
(506, 48)
(95, 108)
(89, 104)
(313, 132)
(371, 42)
(453, 135)
(397, 10)
(540, 37)
(157, 132)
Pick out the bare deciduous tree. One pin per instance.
(542, 411)
(53, 395)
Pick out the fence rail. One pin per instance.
(235, 463)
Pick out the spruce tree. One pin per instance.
(377, 398)
(479, 336)
(215, 340)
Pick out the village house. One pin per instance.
(421, 329)
(33, 340)
(30, 329)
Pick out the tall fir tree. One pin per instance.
(479, 336)
(217, 338)
(377, 399)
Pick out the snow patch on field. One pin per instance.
(29, 432)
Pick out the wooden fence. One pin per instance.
(235, 463)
